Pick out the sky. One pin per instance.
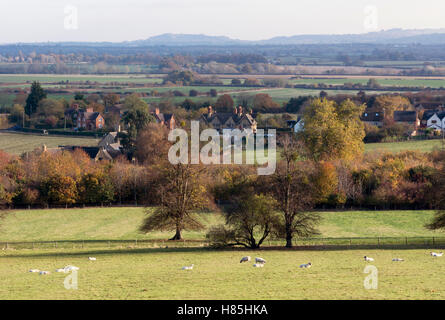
(119, 20)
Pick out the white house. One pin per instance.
(296, 125)
(434, 120)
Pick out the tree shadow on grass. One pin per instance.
(48, 253)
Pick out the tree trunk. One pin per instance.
(288, 237)
(177, 235)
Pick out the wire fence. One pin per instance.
(377, 242)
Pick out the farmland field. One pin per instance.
(395, 147)
(17, 143)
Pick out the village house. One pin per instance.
(433, 120)
(373, 118)
(88, 119)
(167, 119)
(296, 125)
(236, 120)
(110, 141)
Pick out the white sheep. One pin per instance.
(43, 273)
(368, 259)
(92, 259)
(434, 254)
(34, 270)
(258, 265)
(307, 265)
(260, 260)
(188, 267)
(398, 259)
(71, 268)
(245, 259)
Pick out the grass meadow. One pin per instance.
(156, 274)
(150, 273)
(16, 143)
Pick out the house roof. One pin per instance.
(405, 116)
(373, 116)
(91, 115)
(224, 117)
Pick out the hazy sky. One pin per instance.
(118, 20)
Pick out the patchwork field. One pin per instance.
(16, 143)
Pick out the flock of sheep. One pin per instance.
(259, 263)
(66, 269)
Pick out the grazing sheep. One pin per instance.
(434, 254)
(245, 259)
(92, 259)
(260, 260)
(368, 259)
(397, 259)
(188, 267)
(43, 273)
(307, 265)
(258, 265)
(34, 270)
(71, 268)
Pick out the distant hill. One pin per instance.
(425, 36)
(392, 36)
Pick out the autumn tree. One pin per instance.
(262, 102)
(152, 144)
(333, 131)
(96, 188)
(390, 103)
(181, 192)
(59, 189)
(224, 103)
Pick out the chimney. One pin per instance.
(235, 110)
(90, 110)
(240, 111)
(44, 148)
(210, 110)
(157, 111)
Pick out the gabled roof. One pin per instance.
(91, 115)
(224, 117)
(405, 116)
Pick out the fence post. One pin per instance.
(136, 242)
(433, 242)
(406, 241)
(378, 241)
(350, 241)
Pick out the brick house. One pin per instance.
(89, 120)
(167, 119)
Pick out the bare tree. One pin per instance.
(291, 188)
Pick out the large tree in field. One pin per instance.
(333, 131)
(290, 186)
(224, 103)
(249, 222)
(181, 191)
(36, 95)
